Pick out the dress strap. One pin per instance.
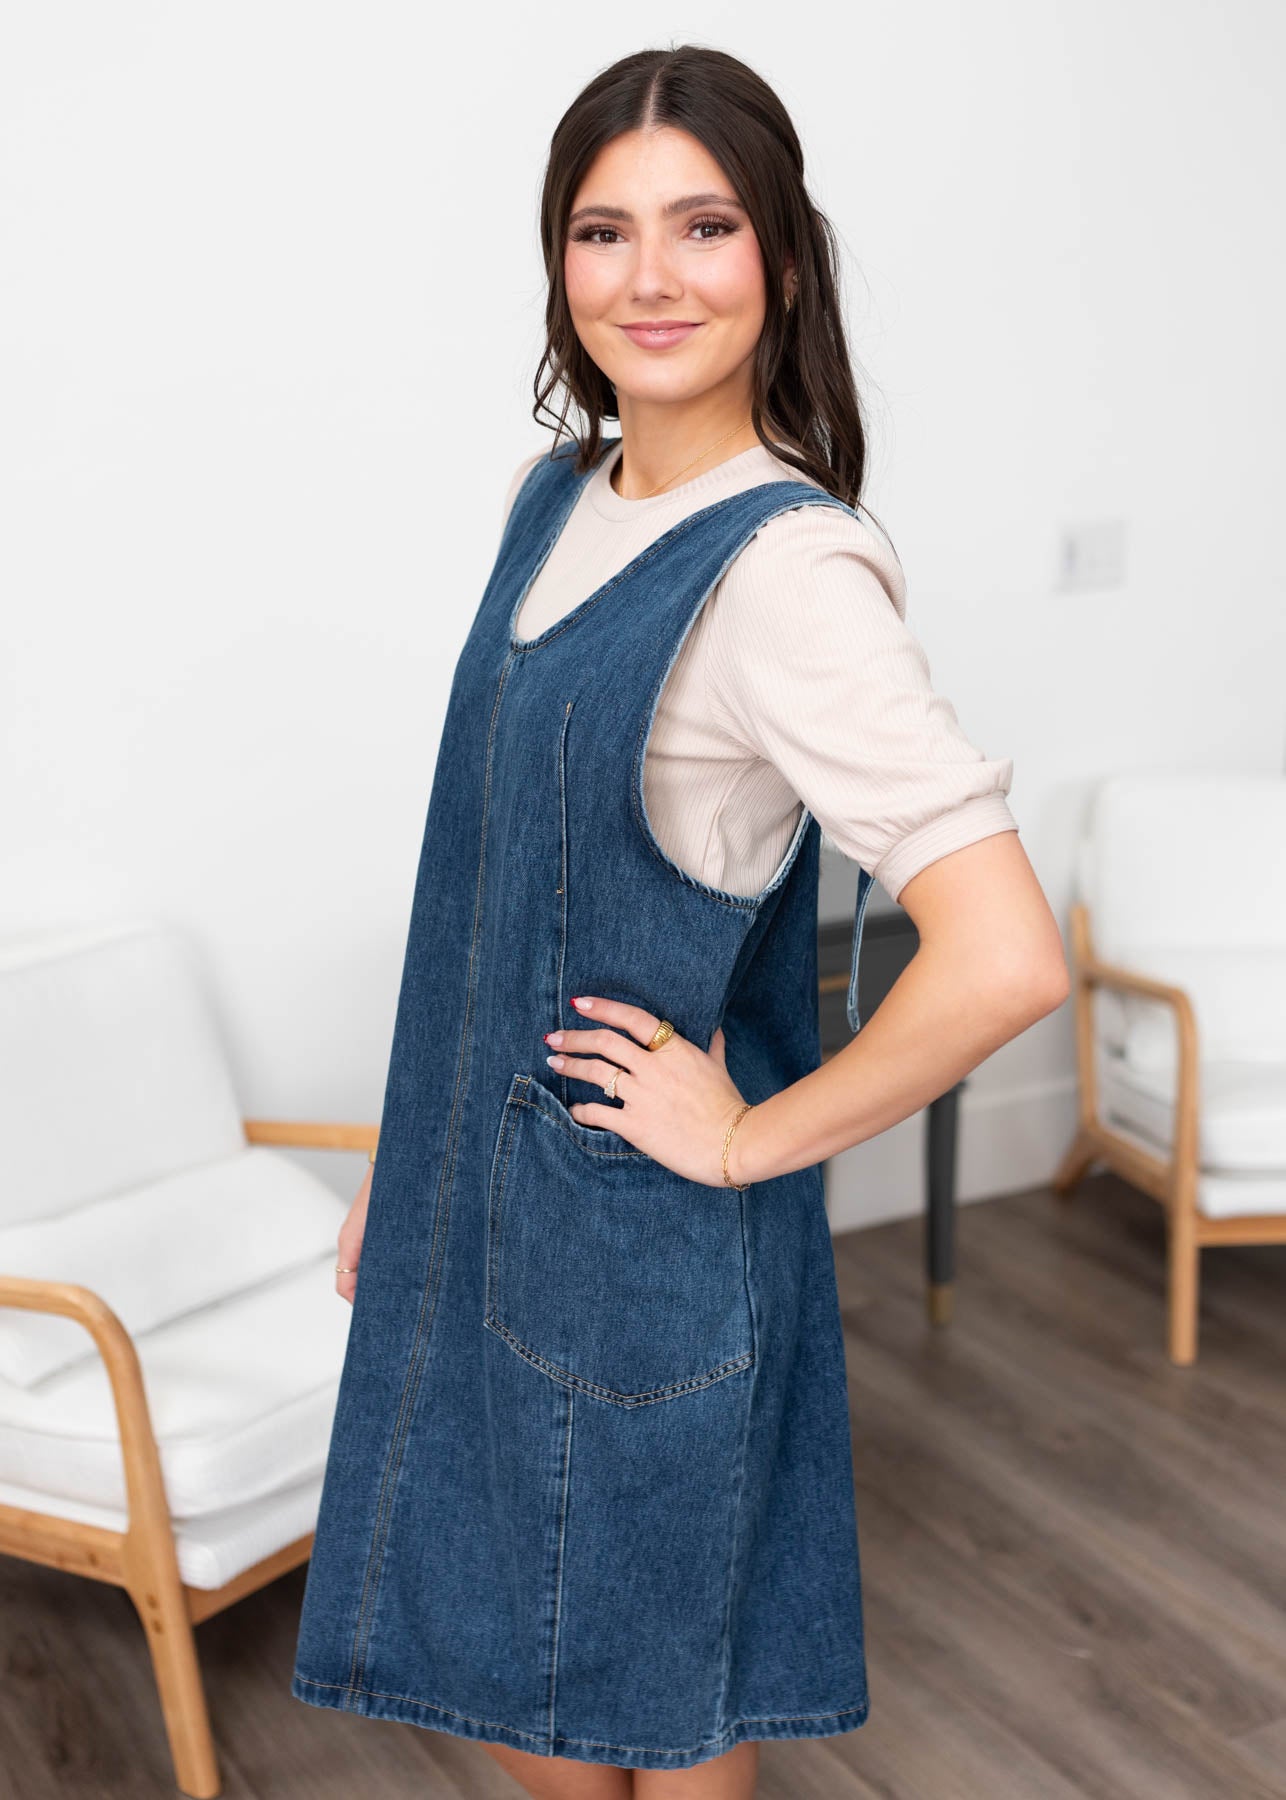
(865, 883)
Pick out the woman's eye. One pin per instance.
(593, 233)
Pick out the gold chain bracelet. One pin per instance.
(727, 1139)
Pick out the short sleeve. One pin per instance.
(811, 666)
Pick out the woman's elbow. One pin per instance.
(1030, 986)
(1050, 984)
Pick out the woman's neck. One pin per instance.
(641, 471)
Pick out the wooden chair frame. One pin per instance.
(143, 1558)
(1172, 1181)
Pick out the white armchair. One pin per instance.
(170, 1337)
(1180, 1012)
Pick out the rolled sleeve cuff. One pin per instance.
(974, 819)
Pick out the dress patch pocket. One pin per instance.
(605, 1269)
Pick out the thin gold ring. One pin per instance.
(610, 1089)
(661, 1035)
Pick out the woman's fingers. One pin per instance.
(612, 1045)
(636, 1020)
(349, 1245)
(588, 1068)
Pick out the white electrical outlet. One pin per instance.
(1091, 556)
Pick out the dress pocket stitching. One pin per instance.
(494, 1195)
(689, 1384)
(551, 1108)
(495, 1249)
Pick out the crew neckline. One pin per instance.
(611, 505)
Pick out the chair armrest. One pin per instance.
(1089, 972)
(144, 1482)
(1125, 981)
(1101, 974)
(303, 1134)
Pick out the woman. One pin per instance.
(589, 1495)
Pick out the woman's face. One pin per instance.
(656, 233)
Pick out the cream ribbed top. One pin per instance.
(800, 684)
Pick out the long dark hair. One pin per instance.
(805, 406)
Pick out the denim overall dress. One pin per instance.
(589, 1487)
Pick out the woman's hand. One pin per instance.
(351, 1233)
(679, 1099)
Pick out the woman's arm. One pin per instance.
(990, 963)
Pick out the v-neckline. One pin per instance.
(568, 619)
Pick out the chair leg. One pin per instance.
(170, 1639)
(1184, 1259)
(1075, 1164)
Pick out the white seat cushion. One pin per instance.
(1241, 1196)
(241, 1395)
(213, 1549)
(157, 1251)
(1238, 997)
(1241, 1129)
(1149, 915)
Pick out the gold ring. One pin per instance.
(661, 1035)
(610, 1089)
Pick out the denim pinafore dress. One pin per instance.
(589, 1486)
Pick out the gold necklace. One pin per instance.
(696, 459)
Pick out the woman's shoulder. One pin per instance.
(832, 548)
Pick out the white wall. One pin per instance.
(270, 307)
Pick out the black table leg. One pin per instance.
(940, 1205)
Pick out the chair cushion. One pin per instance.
(1242, 1112)
(213, 1549)
(1238, 996)
(241, 1395)
(1150, 838)
(112, 1073)
(158, 1251)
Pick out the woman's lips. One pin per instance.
(648, 339)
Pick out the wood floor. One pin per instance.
(1074, 1558)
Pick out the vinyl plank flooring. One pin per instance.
(1068, 1466)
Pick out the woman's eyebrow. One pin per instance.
(684, 204)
